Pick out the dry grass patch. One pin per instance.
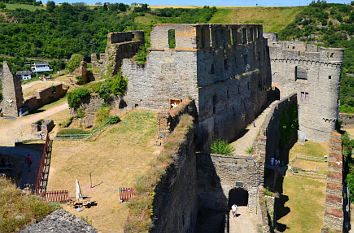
(120, 155)
(306, 203)
(18, 209)
(273, 18)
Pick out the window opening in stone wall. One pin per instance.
(329, 77)
(238, 90)
(259, 56)
(305, 95)
(248, 85)
(172, 38)
(244, 35)
(257, 33)
(227, 94)
(251, 34)
(245, 59)
(202, 40)
(231, 37)
(214, 103)
(331, 54)
(212, 69)
(225, 63)
(300, 73)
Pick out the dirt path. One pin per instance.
(12, 129)
(247, 140)
(244, 223)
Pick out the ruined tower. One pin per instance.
(12, 92)
(314, 74)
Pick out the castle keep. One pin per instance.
(314, 74)
(224, 68)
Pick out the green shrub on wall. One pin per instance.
(76, 97)
(221, 147)
(74, 62)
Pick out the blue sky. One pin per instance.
(210, 2)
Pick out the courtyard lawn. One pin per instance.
(306, 203)
(117, 157)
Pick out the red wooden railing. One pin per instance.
(38, 187)
(56, 196)
(126, 194)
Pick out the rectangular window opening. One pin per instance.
(231, 37)
(245, 59)
(172, 38)
(244, 35)
(330, 77)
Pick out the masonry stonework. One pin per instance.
(314, 74)
(12, 92)
(224, 68)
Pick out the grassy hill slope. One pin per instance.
(273, 19)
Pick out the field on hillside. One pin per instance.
(273, 19)
(119, 155)
(23, 6)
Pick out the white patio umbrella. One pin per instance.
(78, 192)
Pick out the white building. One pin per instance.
(25, 75)
(39, 67)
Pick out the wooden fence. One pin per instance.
(126, 194)
(56, 196)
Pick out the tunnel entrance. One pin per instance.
(238, 196)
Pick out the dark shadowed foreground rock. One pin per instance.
(60, 221)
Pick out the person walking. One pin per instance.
(29, 161)
(234, 210)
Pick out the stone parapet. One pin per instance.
(333, 220)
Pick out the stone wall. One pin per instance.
(224, 68)
(120, 45)
(314, 74)
(46, 96)
(223, 170)
(268, 145)
(175, 200)
(334, 216)
(11, 91)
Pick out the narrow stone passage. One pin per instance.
(248, 138)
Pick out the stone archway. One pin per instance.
(238, 196)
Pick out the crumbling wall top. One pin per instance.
(119, 37)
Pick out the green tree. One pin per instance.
(74, 62)
(50, 6)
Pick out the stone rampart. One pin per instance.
(45, 96)
(175, 204)
(270, 142)
(347, 120)
(314, 73)
(334, 216)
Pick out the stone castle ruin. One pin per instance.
(224, 68)
(314, 74)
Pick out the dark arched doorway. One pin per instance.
(238, 196)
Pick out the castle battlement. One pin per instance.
(194, 37)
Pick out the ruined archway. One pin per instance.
(238, 196)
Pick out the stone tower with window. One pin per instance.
(314, 74)
(11, 91)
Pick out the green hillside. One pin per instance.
(273, 18)
(330, 25)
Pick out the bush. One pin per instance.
(80, 112)
(140, 56)
(102, 115)
(77, 96)
(74, 62)
(2, 5)
(221, 147)
(250, 150)
(114, 119)
(118, 84)
(80, 80)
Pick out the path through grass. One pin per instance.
(306, 203)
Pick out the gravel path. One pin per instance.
(247, 139)
(14, 129)
(244, 223)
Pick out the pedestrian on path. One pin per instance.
(254, 124)
(234, 210)
(29, 161)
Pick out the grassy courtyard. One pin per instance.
(119, 155)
